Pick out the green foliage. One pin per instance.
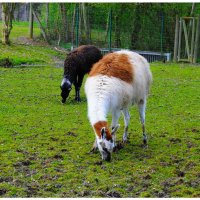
(44, 145)
(134, 25)
(25, 54)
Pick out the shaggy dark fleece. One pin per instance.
(76, 65)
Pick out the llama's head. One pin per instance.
(106, 143)
(65, 87)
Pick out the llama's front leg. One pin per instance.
(78, 84)
(95, 147)
(126, 123)
(115, 119)
(142, 108)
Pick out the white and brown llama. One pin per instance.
(116, 82)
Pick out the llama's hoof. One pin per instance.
(119, 146)
(145, 144)
(145, 141)
(78, 99)
(125, 139)
(63, 101)
(93, 150)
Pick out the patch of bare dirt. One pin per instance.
(71, 134)
(175, 140)
(113, 194)
(2, 191)
(58, 156)
(27, 41)
(22, 163)
(32, 189)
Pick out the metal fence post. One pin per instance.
(161, 35)
(77, 25)
(110, 31)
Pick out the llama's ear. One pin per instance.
(114, 129)
(103, 133)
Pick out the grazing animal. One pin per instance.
(76, 65)
(116, 82)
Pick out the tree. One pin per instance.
(64, 30)
(137, 25)
(7, 17)
(31, 18)
(86, 22)
(42, 29)
(47, 15)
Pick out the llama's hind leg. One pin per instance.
(126, 123)
(142, 108)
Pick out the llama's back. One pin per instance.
(82, 58)
(141, 73)
(117, 80)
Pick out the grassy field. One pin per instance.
(44, 145)
(29, 54)
(21, 29)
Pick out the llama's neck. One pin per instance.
(70, 71)
(98, 108)
(98, 127)
(69, 77)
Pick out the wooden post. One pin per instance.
(186, 40)
(192, 40)
(30, 21)
(179, 37)
(176, 39)
(196, 40)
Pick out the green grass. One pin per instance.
(28, 54)
(44, 145)
(21, 29)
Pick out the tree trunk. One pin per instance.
(117, 32)
(86, 22)
(73, 28)
(64, 31)
(42, 29)
(136, 27)
(107, 27)
(7, 16)
(17, 18)
(31, 21)
(47, 15)
(80, 23)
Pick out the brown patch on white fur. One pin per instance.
(115, 65)
(98, 126)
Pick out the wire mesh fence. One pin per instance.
(135, 26)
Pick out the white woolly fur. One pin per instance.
(106, 94)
